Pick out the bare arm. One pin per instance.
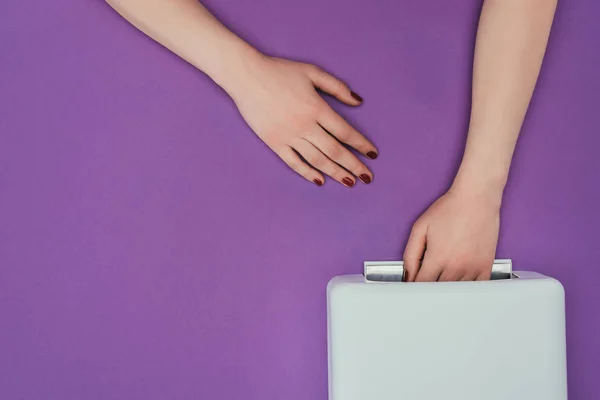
(460, 230)
(276, 97)
(190, 31)
(511, 42)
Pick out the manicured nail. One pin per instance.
(318, 182)
(365, 178)
(348, 182)
(356, 97)
(372, 155)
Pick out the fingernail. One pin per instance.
(318, 182)
(365, 178)
(372, 155)
(348, 182)
(356, 97)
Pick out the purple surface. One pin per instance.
(152, 248)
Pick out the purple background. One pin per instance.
(152, 248)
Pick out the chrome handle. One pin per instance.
(393, 271)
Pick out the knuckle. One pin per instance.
(419, 226)
(410, 260)
(459, 270)
(322, 111)
(344, 134)
(338, 86)
(269, 134)
(316, 160)
(334, 151)
(314, 109)
(294, 164)
(313, 69)
(410, 253)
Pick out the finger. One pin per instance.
(344, 132)
(469, 277)
(415, 247)
(333, 86)
(318, 160)
(484, 276)
(430, 270)
(291, 158)
(336, 152)
(451, 274)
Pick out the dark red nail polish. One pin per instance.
(318, 182)
(356, 97)
(372, 155)
(348, 182)
(365, 178)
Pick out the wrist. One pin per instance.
(236, 67)
(474, 182)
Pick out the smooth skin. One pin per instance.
(456, 238)
(277, 98)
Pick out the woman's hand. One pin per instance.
(455, 239)
(460, 230)
(276, 97)
(279, 101)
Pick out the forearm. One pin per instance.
(511, 42)
(186, 28)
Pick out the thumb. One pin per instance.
(413, 253)
(333, 86)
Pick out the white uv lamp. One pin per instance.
(502, 339)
